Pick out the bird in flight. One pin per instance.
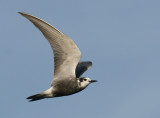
(67, 66)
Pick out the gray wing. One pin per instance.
(82, 67)
(66, 52)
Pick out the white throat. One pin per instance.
(83, 84)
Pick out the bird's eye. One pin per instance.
(85, 79)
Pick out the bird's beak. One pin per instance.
(93, 81)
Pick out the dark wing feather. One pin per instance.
(82, 67)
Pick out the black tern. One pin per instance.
(67, 66)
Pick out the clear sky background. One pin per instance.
(120, 37)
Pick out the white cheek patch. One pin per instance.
(84, 84)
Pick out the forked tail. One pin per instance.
(37, 97)
(42, 95)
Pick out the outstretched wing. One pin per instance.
(82, 67)
(66, 52)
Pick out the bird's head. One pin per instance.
(85, 81)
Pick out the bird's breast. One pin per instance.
(65, 87)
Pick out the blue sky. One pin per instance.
(120, 37)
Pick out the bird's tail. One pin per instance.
(37, 97)
(42, 95)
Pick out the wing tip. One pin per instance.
(23, 13)
(30, 17)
